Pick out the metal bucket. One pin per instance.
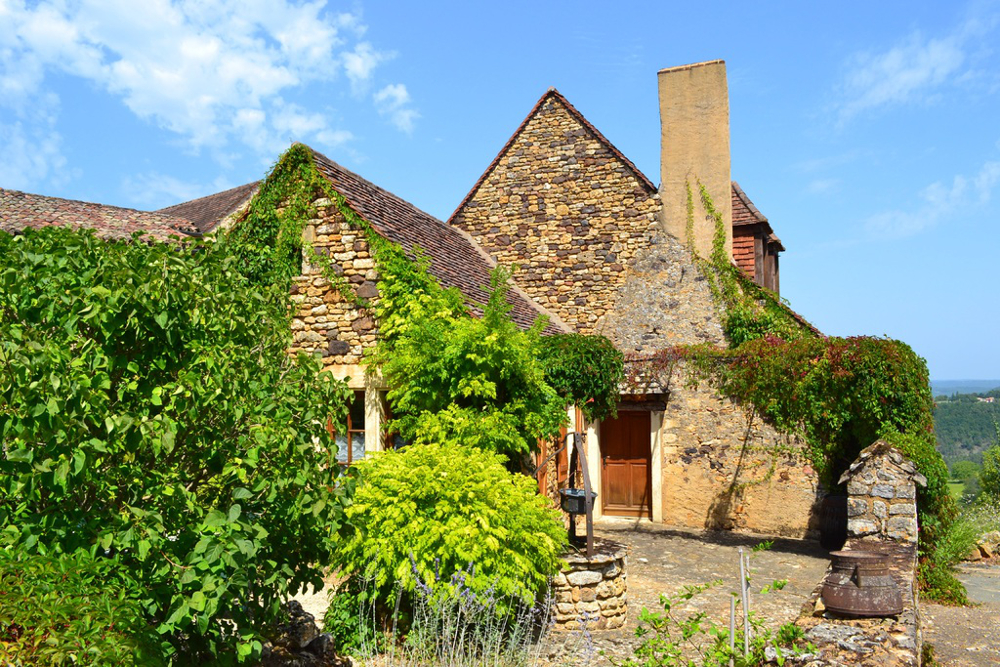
(574, 501)
(860, 585)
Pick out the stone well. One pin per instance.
(592, 591)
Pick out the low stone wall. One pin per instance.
(593, 592)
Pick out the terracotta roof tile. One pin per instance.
(207, 212)
(744, 210)
(553, 93)
(20, 210)
(455, 259)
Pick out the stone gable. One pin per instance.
(561, 204)
(326, 322)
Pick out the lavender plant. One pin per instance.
(449, 623)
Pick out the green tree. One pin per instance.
(149, 411)
(989, 477)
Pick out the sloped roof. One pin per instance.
(746, 213)
(21, 210)
(455, 259)
(207, 212)
(554, 94)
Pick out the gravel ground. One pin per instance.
(662, 560)
(968, 636)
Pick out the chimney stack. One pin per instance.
(694, 148)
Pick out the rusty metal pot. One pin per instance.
(860, 585)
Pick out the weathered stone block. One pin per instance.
(363, 324)
(902, 528)
(902, 509)
(883, 491)
(861, 527)
(338, 347)
(858, 489)
(879, 509)
(584, 578)
(857, 506)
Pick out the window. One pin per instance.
(351, 445)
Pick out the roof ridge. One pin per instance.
(551, 92)
(88, 203)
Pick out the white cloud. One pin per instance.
(214, 73)
(938, 201)
(31, 154)
(915, 70)
(393, 101)
(360, 63)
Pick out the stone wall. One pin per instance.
(662, 300)
(326, 322)
(882, 493)
(562, 204)
(592, 592)
(723, 467)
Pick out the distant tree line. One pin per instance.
(964, 425)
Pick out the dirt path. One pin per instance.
(968, 636)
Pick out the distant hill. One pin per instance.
(949, 387)
(964, 424)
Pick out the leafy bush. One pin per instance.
(148, 408)
(841, 395)
(584, 370)
(449, 514)
(989, 476)
(472, 380)
(71, 609)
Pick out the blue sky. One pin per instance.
(869, 133)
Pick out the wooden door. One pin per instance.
(626, 465)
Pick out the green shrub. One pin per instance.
(989, 476)
(584, 370)
(841, 395)
(71, 609)
(148, 407)
(472, 380)
(448, 515)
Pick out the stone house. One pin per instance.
(601, 250)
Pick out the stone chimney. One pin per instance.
(694, 147)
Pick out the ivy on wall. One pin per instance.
(749, 311)
(268, 240)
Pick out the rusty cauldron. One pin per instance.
(860, 585)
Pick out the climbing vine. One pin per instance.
(268, 241)
(749, 311)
